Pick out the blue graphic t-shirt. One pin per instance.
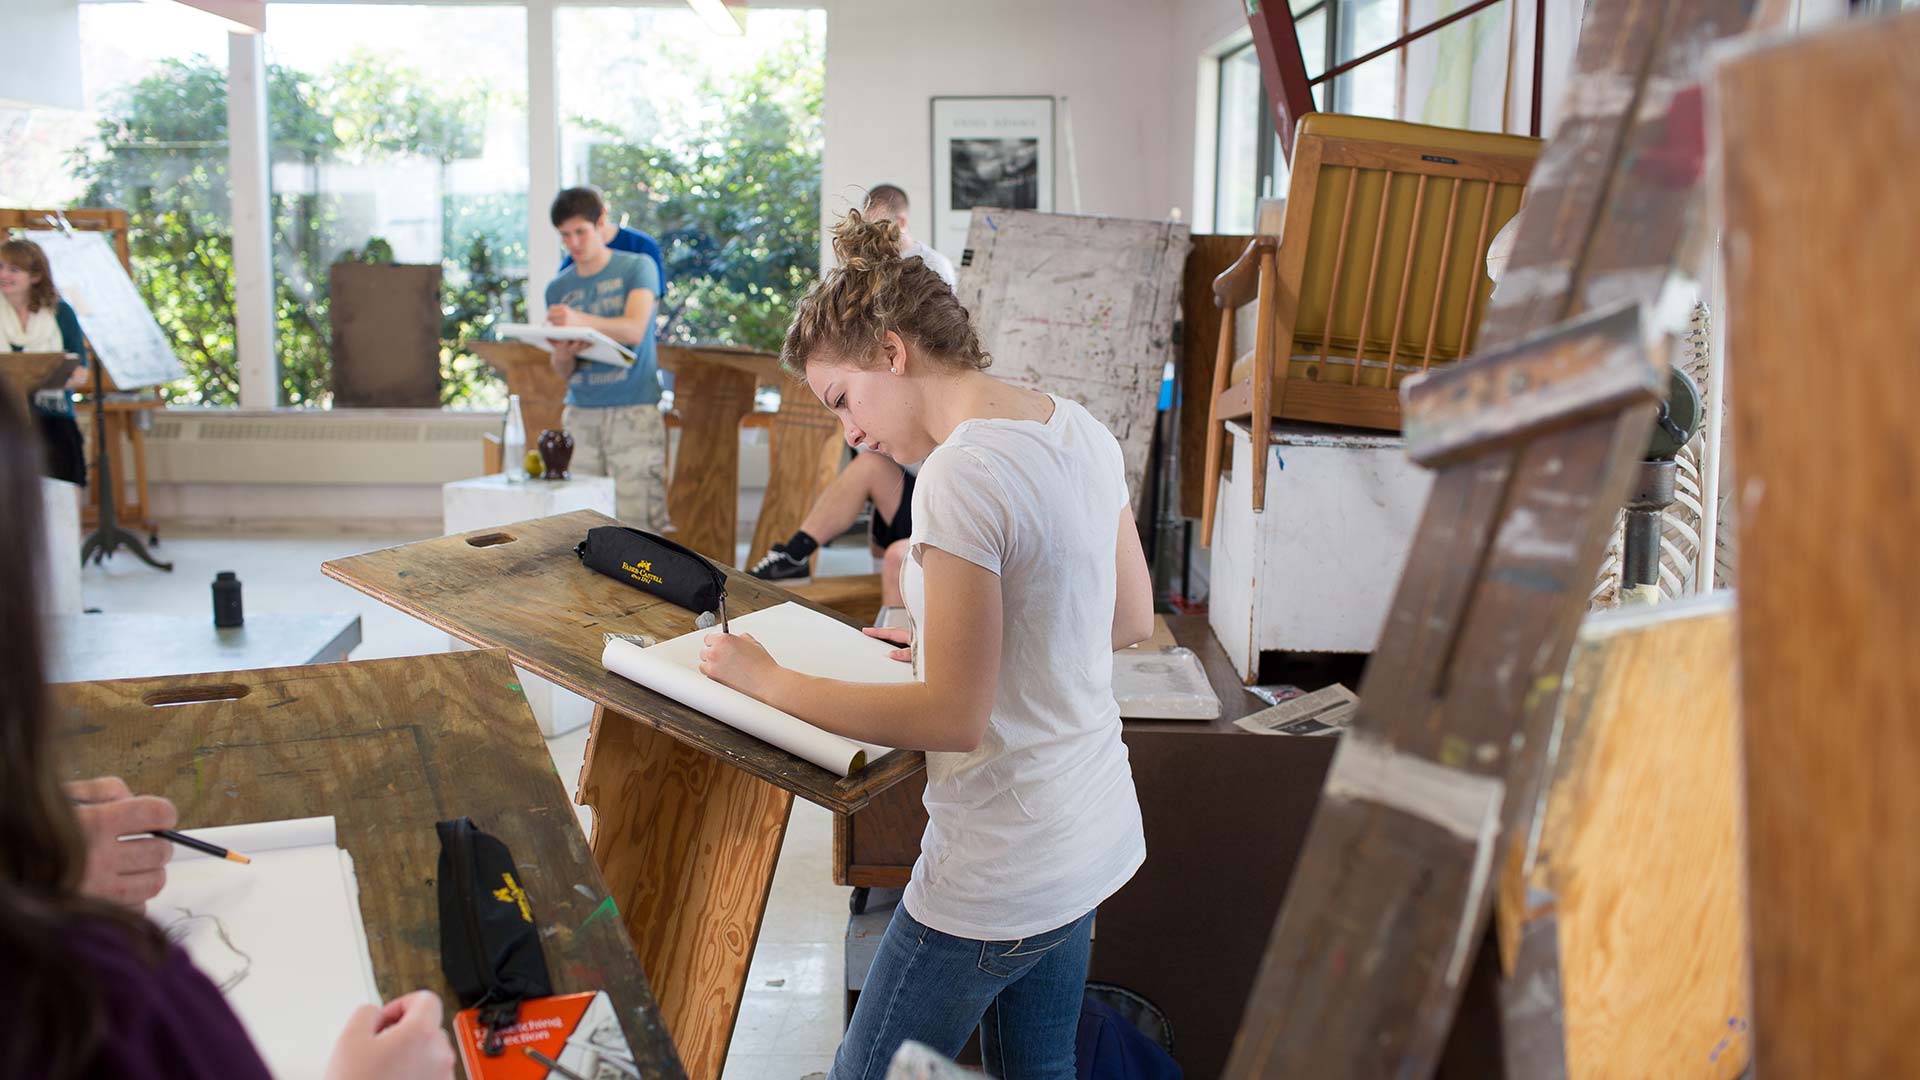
(604, 294)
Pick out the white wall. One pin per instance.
(48, 71)
(1110, 60)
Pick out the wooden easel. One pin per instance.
(689, 813)
(388, 747)
(121, 417)
(1815, 153)
(1534, 444)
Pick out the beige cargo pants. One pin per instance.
(628, 443)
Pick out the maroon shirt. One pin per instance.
(165, 1021)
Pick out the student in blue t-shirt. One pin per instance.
(621, 238)
(613, 412)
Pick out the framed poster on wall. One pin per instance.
(988, 151)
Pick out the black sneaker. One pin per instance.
(777, 565)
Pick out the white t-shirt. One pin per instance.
(1040, 823)
(935, 261)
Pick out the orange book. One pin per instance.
(579, 1034)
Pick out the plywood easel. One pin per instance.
(1633, 873)
(1818, 149)
(1534, 443)
(689, 813)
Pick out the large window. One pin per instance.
(710, 144)
(383, 150)
(1455, 77)
(151, 139)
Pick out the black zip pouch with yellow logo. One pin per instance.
(655, 564)
(489, 943)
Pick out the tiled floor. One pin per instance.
(790, 1021)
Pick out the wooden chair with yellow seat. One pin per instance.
(1378, 273)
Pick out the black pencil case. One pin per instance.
(655, 565)
(489, 944)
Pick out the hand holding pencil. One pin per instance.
(128, 872)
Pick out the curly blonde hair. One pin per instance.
(873, 290)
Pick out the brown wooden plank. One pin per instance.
(1819, 147)
(688, 845)
(856, 596)
(703, 498)
(804, 451)
(1637, 865)
(524, 590)
(388, 747)
(529, 373)
(1208, 258)
(1379, 931)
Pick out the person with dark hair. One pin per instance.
(33, 318)
(91, 987)
(889, 202)
(613, 412)
(1023, 574)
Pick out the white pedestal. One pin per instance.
(486, 502)
(1316, 571)
(60, 557)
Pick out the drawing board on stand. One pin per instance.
(115, 319)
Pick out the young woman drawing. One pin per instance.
(90, 987)
(1023, 575)
(33, 318)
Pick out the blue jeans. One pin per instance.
(935, 988)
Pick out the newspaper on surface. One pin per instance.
(1319, 713)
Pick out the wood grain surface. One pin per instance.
(1818, 146)
(529, 373)
(804, 450)
(388, 747)
(1209, 257)
(1445, 757)
(703, 498)
(520, 587)
(1637, 859)
(688, 845)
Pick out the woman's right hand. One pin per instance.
(399, 1041)
(897, 635)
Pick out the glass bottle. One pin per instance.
(513, 442)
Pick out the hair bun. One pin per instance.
(864, 243)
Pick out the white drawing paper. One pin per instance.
(798, 638)
(112, 315)
(282, 936)
(604, 349)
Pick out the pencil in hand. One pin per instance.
(197, 844)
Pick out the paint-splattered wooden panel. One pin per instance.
(1081, 307)
(388, 747)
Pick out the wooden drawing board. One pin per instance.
(1081, 307)
(1443, 762)
(1635, 866)
(689, 814)
(388, 747)
(1817, 148)
(119, 327)
(520, 587)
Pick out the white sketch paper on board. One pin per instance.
(796, 637)
(1081, 307)
(281, 937)
(112, 314)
